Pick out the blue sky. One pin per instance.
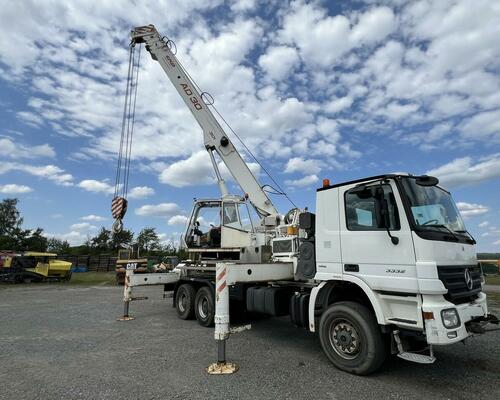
(315, 90)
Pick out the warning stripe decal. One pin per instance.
(221, 275)
(221, 287)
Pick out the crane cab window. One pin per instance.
(363, 209)
(230, 214)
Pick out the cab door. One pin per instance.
(367, 249)
(232, 233)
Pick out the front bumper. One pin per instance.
(436, 332)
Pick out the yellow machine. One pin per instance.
(34, 266)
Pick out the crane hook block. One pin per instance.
(117, 226)
(118, 207)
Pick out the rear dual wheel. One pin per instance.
(204, 308)
(184, 301)
(190, 303)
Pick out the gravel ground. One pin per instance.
(64, 342)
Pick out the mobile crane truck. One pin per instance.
(384, 265)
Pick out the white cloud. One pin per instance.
(140, 192)
(157, 210)
(434, 82)
(92, 185)
(322, 39)
(194, 170)
(51, 172)
(170, 238)
(462, 171)
(17, 150)
(242, 5)
(178, 220)
(298, 164)
(13, 188)
(30, 118)
(93, 217)
(484, 224)
(374, 25)
(279, 61)
(74, 238)
(471, 209)
(485, 125)
(338, 104)
(82, 226)
(302, 182)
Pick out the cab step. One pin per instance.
(417, 358)
(413, 357)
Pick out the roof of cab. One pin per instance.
(370, 178)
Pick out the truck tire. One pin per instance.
(351, 338)
(204, 306)
(184, 301)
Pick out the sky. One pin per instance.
(339, 90)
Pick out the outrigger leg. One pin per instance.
(222, 329)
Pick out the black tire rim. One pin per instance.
(182, 302)
(203, 307)
(344, 339)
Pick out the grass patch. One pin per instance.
(93, 278)
(493, 299)
(492, 279)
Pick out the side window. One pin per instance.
(363, 210)
(230, 215)
(208, 217)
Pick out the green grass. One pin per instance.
(93, 278)
(493, 299)
(492, 279)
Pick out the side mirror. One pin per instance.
(426, 180)
(382, 213)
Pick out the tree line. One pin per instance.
(14, 237)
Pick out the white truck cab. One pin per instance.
(400, 238)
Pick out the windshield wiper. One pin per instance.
(468, 233)
(445, 227)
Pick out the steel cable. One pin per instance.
(282, 192)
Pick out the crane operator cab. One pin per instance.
(219, 224)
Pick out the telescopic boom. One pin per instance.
(215, 137)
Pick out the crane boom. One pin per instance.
(214, 135)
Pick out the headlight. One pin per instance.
(450, 318)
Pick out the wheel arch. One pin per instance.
(350, 288)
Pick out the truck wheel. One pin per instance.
(184, 301)
(204, 306)
(351, 338)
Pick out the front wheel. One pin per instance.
(204, 306)
(351, 338)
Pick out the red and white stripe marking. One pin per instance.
(221, 282)
(118, 207)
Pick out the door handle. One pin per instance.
(351, 267)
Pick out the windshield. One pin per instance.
(432, 207)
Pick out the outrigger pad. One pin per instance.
(220, 368)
